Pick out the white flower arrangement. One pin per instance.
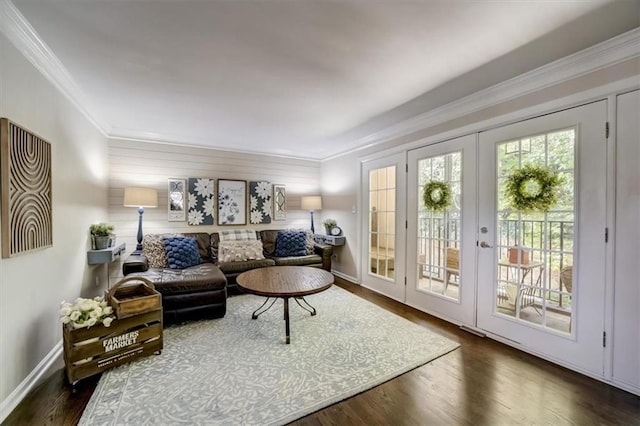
(86, 312)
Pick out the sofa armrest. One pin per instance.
(325, 251)
(134, 263)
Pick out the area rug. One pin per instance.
(239, 371)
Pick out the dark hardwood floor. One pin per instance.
(481, 383)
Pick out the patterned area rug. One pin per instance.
(236, 370)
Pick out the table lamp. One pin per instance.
(311, 203)
(140, 198)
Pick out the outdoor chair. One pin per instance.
(566, 278)
(452, 262)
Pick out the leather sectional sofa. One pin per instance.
(200, 291)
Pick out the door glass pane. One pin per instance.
(535, 250)
(382, 213)
(439, 235)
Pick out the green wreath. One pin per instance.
(436, 196)
(532, 189)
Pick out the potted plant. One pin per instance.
(328, 225)
(101, 235)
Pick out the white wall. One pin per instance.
(32, 285)
(151, 164)
(340, 189)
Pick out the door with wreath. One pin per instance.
(441, 229)
(541, 247)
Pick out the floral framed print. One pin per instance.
(279, 202)
(232, 202)
(259, 202)
(201, 201)
(177, 200)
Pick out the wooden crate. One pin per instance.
(89, 351)
(133, 299)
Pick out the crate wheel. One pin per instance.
(158, 352)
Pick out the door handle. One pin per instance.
(485, 244)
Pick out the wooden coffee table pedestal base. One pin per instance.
(284, 282)
(261, 310)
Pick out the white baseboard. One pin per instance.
(345, 277)
(30, 382)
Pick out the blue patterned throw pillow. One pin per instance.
(291, 243)
(181, 252)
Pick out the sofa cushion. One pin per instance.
(202, 277)
(181, 252)
(291, 243)
(236, 251)
(310, 243)
(237, 267)
(238, 235)
(203, 243)
(309, 260)
(153, 249)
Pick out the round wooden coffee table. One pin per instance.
(284, 282)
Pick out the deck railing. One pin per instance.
(549, 241)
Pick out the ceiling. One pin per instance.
(302, 78)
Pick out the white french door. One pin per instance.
(383, 228)
(441, 244)
(541, 276)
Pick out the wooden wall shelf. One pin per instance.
(107, 255)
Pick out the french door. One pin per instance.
(383, 229)
(541, 275)
(441, 249)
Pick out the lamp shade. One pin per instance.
(313, 202)
(140, 197)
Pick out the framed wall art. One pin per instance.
(177, 200)
(232, 202)
(259, 202)
(201, 201)
(279, 202)
(25, 178)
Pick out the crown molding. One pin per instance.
(602, 55)
(25, 38)
(165, 139)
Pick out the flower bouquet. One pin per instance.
(86, 312)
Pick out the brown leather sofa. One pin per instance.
(321, 258)
(200, 291)
(192, 293)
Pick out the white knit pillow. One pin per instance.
(236, 251)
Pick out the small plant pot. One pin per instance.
(101, 243)
(518, 255)
(327, 230)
